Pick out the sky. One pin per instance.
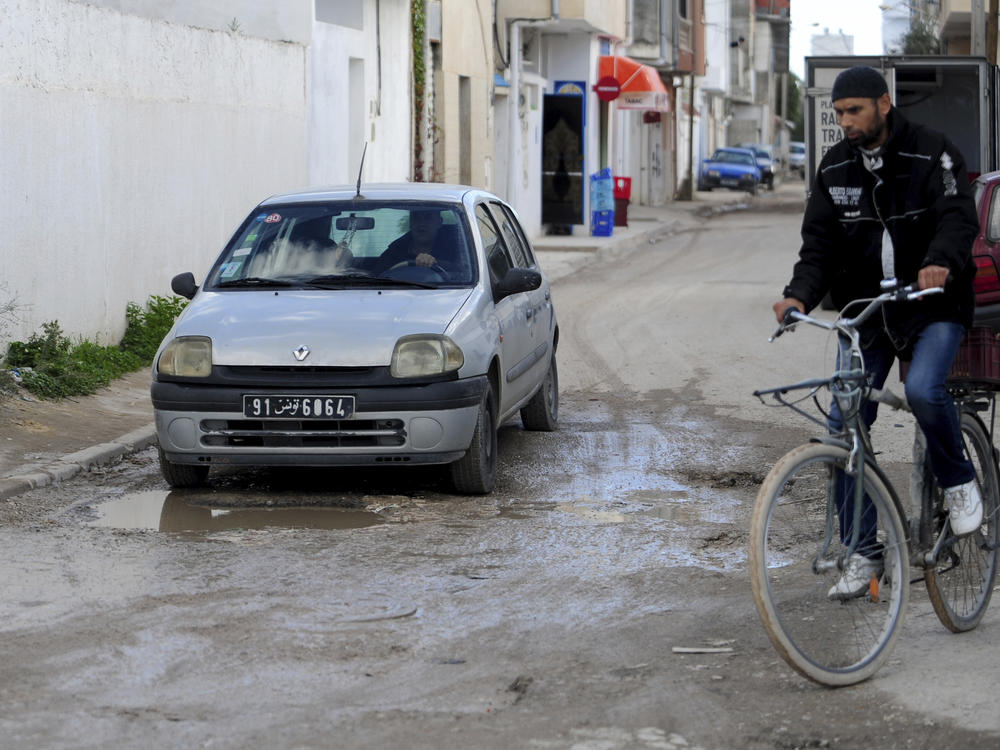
(861, 19)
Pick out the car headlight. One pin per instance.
(713, 173)
(187, 357)
(425, 354)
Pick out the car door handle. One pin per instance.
(529, 312)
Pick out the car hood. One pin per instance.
(343, 328)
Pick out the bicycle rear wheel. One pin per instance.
(829, 641)
(961, 582)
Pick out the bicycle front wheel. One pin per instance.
(960, 583)
(828, 640)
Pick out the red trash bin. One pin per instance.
(623, 192)
(623, 187)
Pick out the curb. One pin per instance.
(72, 464)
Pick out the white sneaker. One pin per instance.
(965, 507)
(857, 577)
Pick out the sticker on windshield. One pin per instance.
(259, 217)
(241, 251)
(272, 218)
(229, 269)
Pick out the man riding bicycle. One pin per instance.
(892, 200)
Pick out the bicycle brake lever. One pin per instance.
(787, 324)
(781, 329)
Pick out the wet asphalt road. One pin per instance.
(314, 609)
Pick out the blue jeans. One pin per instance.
(935, 412)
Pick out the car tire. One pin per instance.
(542, 411)
(180, 476)
(475, 472)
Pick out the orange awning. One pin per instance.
(641, 87)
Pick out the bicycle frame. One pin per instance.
(851, 390)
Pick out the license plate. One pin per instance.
(730, 181)
(298, 407)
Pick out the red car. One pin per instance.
(986, 249)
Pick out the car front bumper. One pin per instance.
(733, 182)
(431, 423)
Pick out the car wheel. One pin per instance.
(752, 189)
(181, 475)
(475, 472)
(542, 411)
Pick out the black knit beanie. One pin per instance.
(859, 82)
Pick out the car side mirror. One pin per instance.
(183, 284)
(518, 280)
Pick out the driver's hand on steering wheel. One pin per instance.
(425, 259)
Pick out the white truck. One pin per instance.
(955, 95)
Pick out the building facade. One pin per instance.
(138, 133)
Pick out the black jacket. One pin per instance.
(922, 196)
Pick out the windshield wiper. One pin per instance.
(339, 281)
(253, 281)
(404, 282)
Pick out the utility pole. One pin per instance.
(978, 28)
(991, 31)
(687, 188)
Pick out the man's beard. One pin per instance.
(870, 137)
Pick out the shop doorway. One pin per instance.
(562, 162)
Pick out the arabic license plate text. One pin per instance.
(298, 407)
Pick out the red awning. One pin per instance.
(641, 87)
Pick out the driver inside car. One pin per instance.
(426, 244)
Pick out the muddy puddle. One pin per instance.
(189, 512)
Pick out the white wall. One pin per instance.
(132, 149)
(278, 21)
(359, 90)
(717, 38)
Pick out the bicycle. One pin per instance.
(796, 554)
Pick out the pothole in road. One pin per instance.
(172, 511)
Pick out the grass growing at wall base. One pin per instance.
(49, 365)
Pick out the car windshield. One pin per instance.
(733, 157)
(349, 243)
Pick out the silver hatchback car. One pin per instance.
(389, 325)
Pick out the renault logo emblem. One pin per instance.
(301, 353)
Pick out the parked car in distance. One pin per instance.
(797, 158)
(388, 325)
(764, 155)
(986, 250)
(733, 168)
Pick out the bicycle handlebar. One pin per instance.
(901, 294)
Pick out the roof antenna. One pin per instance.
(363, 152)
